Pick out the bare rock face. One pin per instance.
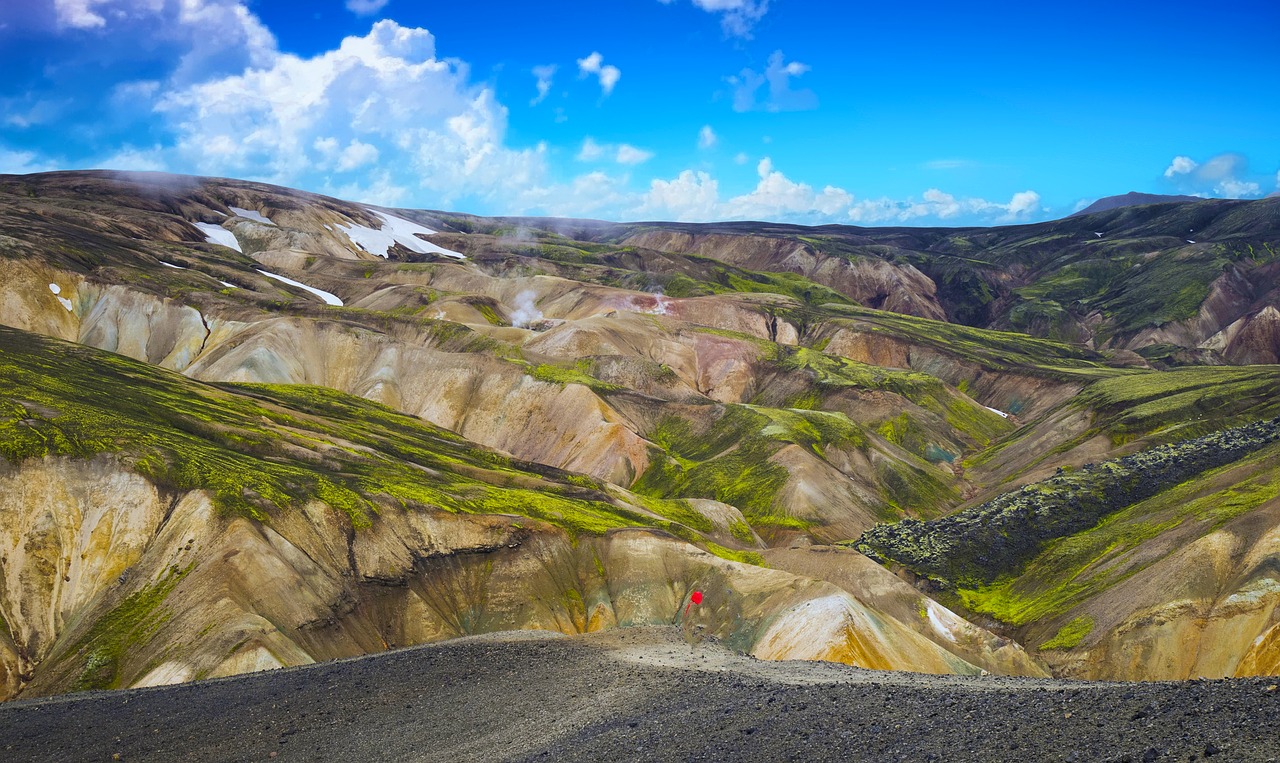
(1252, 339)
(109, 582)
(1218, 619)
(866, 280)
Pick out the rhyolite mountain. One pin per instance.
(246, 426)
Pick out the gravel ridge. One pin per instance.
(641, 694)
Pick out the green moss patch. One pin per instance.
(260, 449)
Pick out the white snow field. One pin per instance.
(216, 234)
(249, 214)
(395, 230)
(329, 299)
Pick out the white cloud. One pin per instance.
(591, 151)
(197, 38)
(544, 75)
(707, 137)
(384, 95)
(23, 162)
(357, 154)
(79, 14)
(607, 74)
(694, 196)
(1181, 165)
(737, 17)
(777, 196)
(690, 196)
(623, 153)
(1224, 175)
(777, 75)
(1021, 207)
(629, 154)
(366, 7)
(741, 158)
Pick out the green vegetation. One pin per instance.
(981, 545)
(579, 374)
(1070, 635)
(131, 624)
(726, 457)
(992, 350)
(1087, 563)
(1157, 408)
(1169, 287)
(260, 449)
(830, 373)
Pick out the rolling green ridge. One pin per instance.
(261, 449)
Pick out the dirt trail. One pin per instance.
(640, 694)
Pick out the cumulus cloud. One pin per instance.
(366, 7)
(776, 195)
(1181, 165)
(707, 137)
(544, 77)
(607, 74)
(1224, 175)
(737, 17)
(695, 196)
(381, 95)
(689, 197)
(779, 95)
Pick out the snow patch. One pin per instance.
(216, 234)
(526, 311)
(1189, 241)
(1099, 235)
(171, 265)
(229, 285)
(329, 299)
(997, 411)
(395, 230)
(249, 214)
(57, 290)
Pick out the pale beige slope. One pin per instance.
(229, 594)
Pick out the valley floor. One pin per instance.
(640, 694)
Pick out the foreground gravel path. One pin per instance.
(640, 694)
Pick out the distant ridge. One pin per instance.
(1131, 199)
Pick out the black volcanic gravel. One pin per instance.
(641, 695)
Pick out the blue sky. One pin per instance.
(918, 114)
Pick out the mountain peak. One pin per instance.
(1131, 199)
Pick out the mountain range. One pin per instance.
(248, 427)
